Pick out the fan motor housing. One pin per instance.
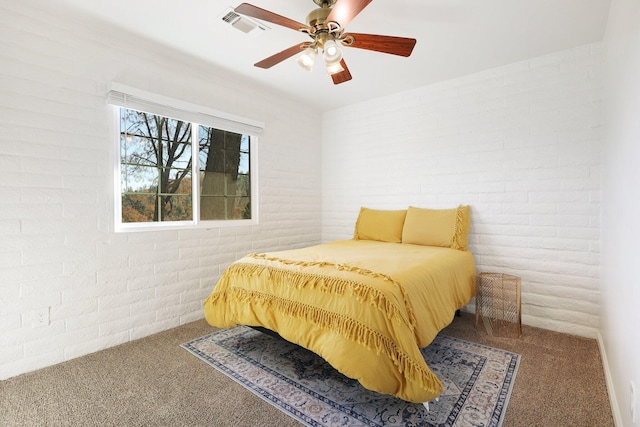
(317, 17)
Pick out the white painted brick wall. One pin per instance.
(57, 245)
(521, 144)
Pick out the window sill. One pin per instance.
(182, 225)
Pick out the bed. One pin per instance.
(366, 305)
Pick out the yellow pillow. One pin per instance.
(448, 228)
(381, 225)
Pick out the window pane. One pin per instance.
(213, 208)
(214, 160)
(177, 155)
(212, 184)
(224, 174)
(175, 181)
(219, 208)
(136, 150)
(155, 158)
(138, 207)
(177, 208)
(139, 179)
(241, 208)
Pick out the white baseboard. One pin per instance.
(613, 400)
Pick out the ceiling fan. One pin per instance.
(325, 25)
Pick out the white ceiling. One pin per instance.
(455, 38)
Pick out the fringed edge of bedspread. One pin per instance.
(336, 284)
(347, 327)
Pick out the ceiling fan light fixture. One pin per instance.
(334, 68)
(326, 25)
(307, 58)
(332, 53)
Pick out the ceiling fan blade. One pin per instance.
(265, 15)
(386, 44)
(344, 11)
(343, 76)
(280, 56)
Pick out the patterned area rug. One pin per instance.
(478, 381)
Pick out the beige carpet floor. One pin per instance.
(154, 382)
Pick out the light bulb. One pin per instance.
(307, 58)
(332, 53)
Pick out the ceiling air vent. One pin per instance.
(242, 23)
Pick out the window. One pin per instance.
(225, 175)
(162, 148)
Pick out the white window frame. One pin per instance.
(121, 96)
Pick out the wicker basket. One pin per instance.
(498, 304)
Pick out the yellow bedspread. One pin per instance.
(366, 307)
